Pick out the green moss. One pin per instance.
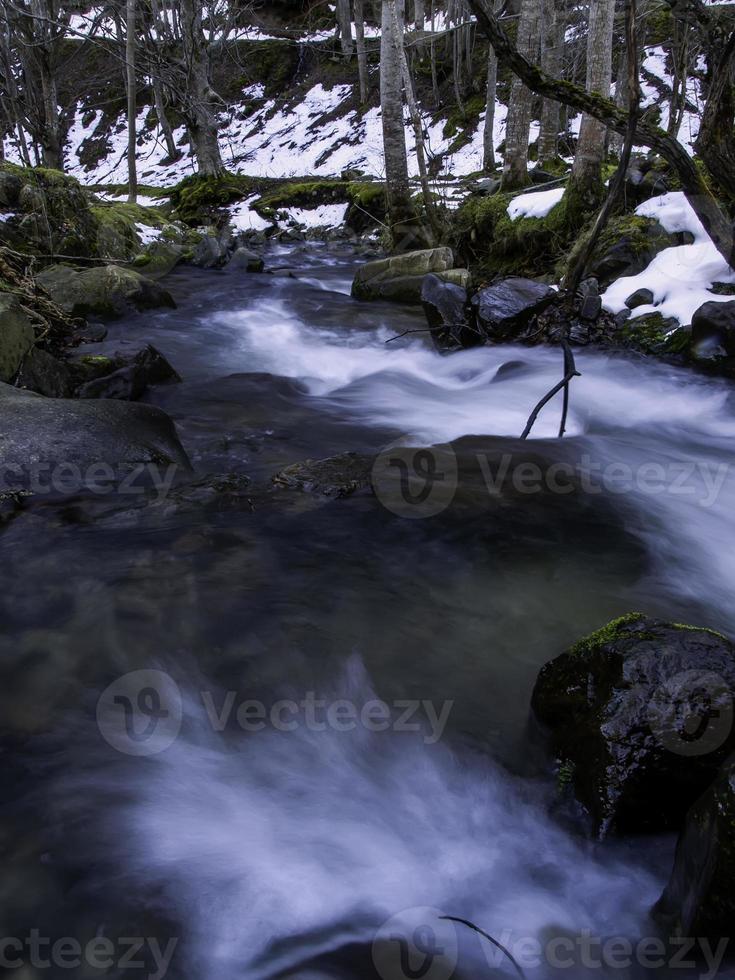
(655, 334)
(300, 194)
(461, 118)
(197, 197)
(699, 629)
(494, 244)
(606, 634)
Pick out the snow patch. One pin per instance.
(536, 204)
(680, 277)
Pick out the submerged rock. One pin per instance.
(17, 335)
(699, 899)
(504, 309)
(106, 290)
(641, 714)
(335, 476)
(123, 375)
(39, 435)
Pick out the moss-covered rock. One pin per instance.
(641, 711)
(105, 290)
(656, 334)
(197, 199)
(118, 235)
(493, 244)
(54, 213)
(17, 336)
(627, 245)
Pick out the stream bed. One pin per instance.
(275, 834)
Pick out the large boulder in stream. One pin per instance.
(699, 899)
(107, 290)
(713, 336)
(505, 308)
(39, 434)
(17, 336)
(640, 714)
(446, 309)
(400, 278)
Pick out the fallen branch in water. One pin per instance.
(471, 925)
(570, 371)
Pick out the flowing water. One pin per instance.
(282, 848)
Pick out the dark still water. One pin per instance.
(338, 693)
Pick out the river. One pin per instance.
(279, 844)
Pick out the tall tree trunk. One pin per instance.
(552, 47)
(344, 21)
(398, 189)
(200, 100)
(362, 60)
(518, 122)
(418, 130)
(132, 100)
(585, 190)
(432, 54)
(615, 142)
(488, 138)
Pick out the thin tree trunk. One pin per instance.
(362, 60)
(132, 100)
(200, 99)
(518, 121)
(432, 53)
(394, 133)
(418, 130)
(167, 132)
(488, 138)
(552, 47)
(344, 21)
(585, 190)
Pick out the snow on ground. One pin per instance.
(147, 234)
(536, 204)
(243, 218)
(324, 216)
(680, 277)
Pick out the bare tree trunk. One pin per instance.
(518, 122)
(132, 100)
(432, 52)
(418, 129)
(362, 60)
(615, 141)
(200, 99)
(552, 47)
(585, 188)
(394, 133)
(488, 139)
(167, 132)
(344, 21)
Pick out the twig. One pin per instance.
(406, 332)
(471, 925)
(570, 371)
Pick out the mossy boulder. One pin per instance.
(657, 335)
(699, 899)
(489, 239)
(54, 214)
(106, 290)
(17, 336)
(400, 277)
(640, 713)
(197, 199)
(119, 228)
(626, 247)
